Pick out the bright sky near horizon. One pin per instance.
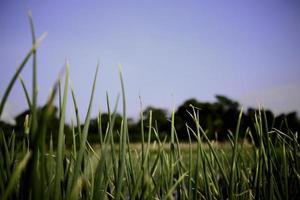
(169, 51)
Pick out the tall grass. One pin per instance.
(270, 170)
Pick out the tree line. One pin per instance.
(218, 119)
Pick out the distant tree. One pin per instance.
(52, 125)
(159, 121)
(6, 128)
(105, 123)
(217, 119)
(183, 118)
(227, 103)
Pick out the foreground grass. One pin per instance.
(169, 170)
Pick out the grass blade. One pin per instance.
(59, 159)
(15, 176)
(121, 169)
(80, 154)
(18, 71)
(25, 91)
(234, 157)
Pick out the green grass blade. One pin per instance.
(190, 164)
(170, 191)
(285, 172)
(109, 137)
(17, 73)
(76, 111)
(25, 91)
(99, 123)
(6, 156)
(33, 108)
(74, 139)
(80, 154)
(43, 172)
(234, 158)
(121, 169)
(221, 167)
(15, 176)
(59, 158)
(59, 98)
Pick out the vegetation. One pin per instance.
(218, 119)
(36, 165)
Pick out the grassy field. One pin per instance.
(164, 170)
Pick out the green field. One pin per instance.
(32, 167)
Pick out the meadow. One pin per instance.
(32, 167)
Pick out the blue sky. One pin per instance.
(169, 51)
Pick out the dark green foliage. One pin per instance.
(218, 119)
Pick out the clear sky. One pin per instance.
(169, 50)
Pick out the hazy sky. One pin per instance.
(169, 50)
